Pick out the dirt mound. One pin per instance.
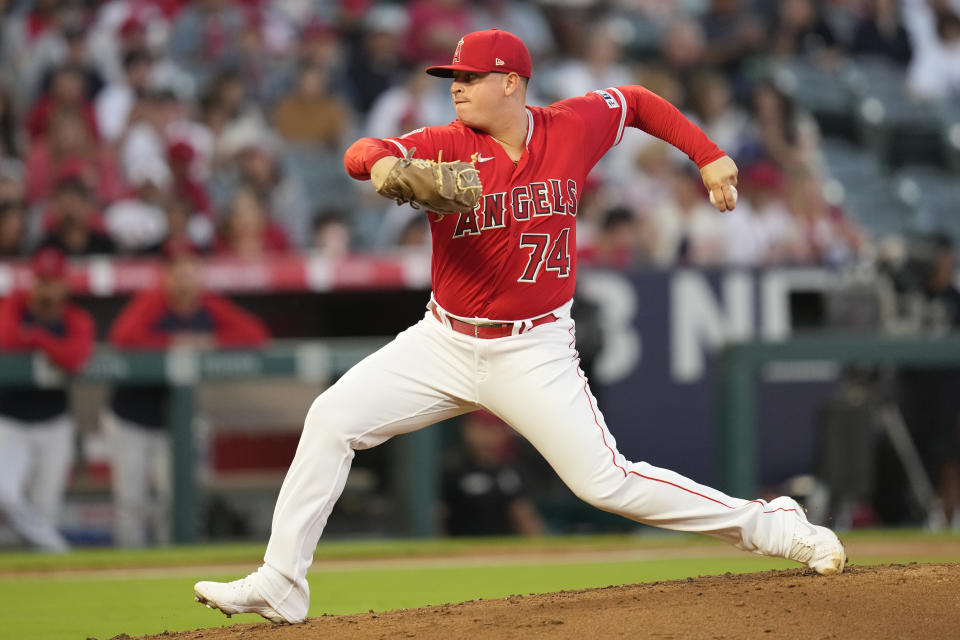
(875, 602)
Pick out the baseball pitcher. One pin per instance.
(500, 187)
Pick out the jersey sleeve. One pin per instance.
(427, 142)
(605, 114)
(13, 335)
(233, 325)
(363, 154)
(134, 327)
(71, 351)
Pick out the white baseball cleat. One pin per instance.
(239, 596)
(817, 547)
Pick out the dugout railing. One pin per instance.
(741, 362)
(320, 362)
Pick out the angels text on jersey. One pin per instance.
(521, 203)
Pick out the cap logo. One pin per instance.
(456, 54)
(498, 62)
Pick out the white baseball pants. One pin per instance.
(534, 383)
(141, 473)
(35, 460)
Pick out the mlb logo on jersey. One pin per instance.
(609, 99)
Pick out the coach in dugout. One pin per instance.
(36, 428)
(179, 313)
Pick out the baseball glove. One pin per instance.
(442, 187)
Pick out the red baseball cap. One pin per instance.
(490, 50)
(181, 151)
(49, 262)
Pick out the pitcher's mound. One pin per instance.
(872, 603)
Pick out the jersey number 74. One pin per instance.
(557, 258)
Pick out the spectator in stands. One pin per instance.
(437, 25)
(255, 164)
(21, 31)
(830, 238)
(11, 147)
(713, 110)
(920, 20)
(331, 235)
(483, 490)
(146, 141)
(36, 429)
(227, 91)
(214, 117)
(250, 57)
(65, 46)
(182, 159)
(247, 231)
(685, 228)
(67, 92)
(71, 217)
(683, 47)
(761, 231)
(734, 32)
(185, 226)
(599, 64)
(415, 236)
(802, 30)
(68, 150)
(642, 178)
(13, 228)
(524, 19)
(119, 29)
(934, 73)
(114, 105)
(138, 223)
(880, 32)
(781, 132)
(179, 313)
(204, 36)
(310, 115)
(413, 103)
(374, 63)
(11, 188)
(619, 243)
(321, 46)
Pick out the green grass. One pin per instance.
(81, 607)
(84, 604)
(342, 550)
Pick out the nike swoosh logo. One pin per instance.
(482, 159)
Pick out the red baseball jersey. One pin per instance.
(514, 256)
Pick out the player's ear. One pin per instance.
(511, 82)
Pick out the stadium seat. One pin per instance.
(949, 113)
(932, 194)
(874, 206)
(322, 173)
(897, 129)
(820, 91)
(850, 164)
(868, 196)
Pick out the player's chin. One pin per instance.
(464, 115)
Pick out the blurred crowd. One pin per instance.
(185, 129)
(125, 124)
